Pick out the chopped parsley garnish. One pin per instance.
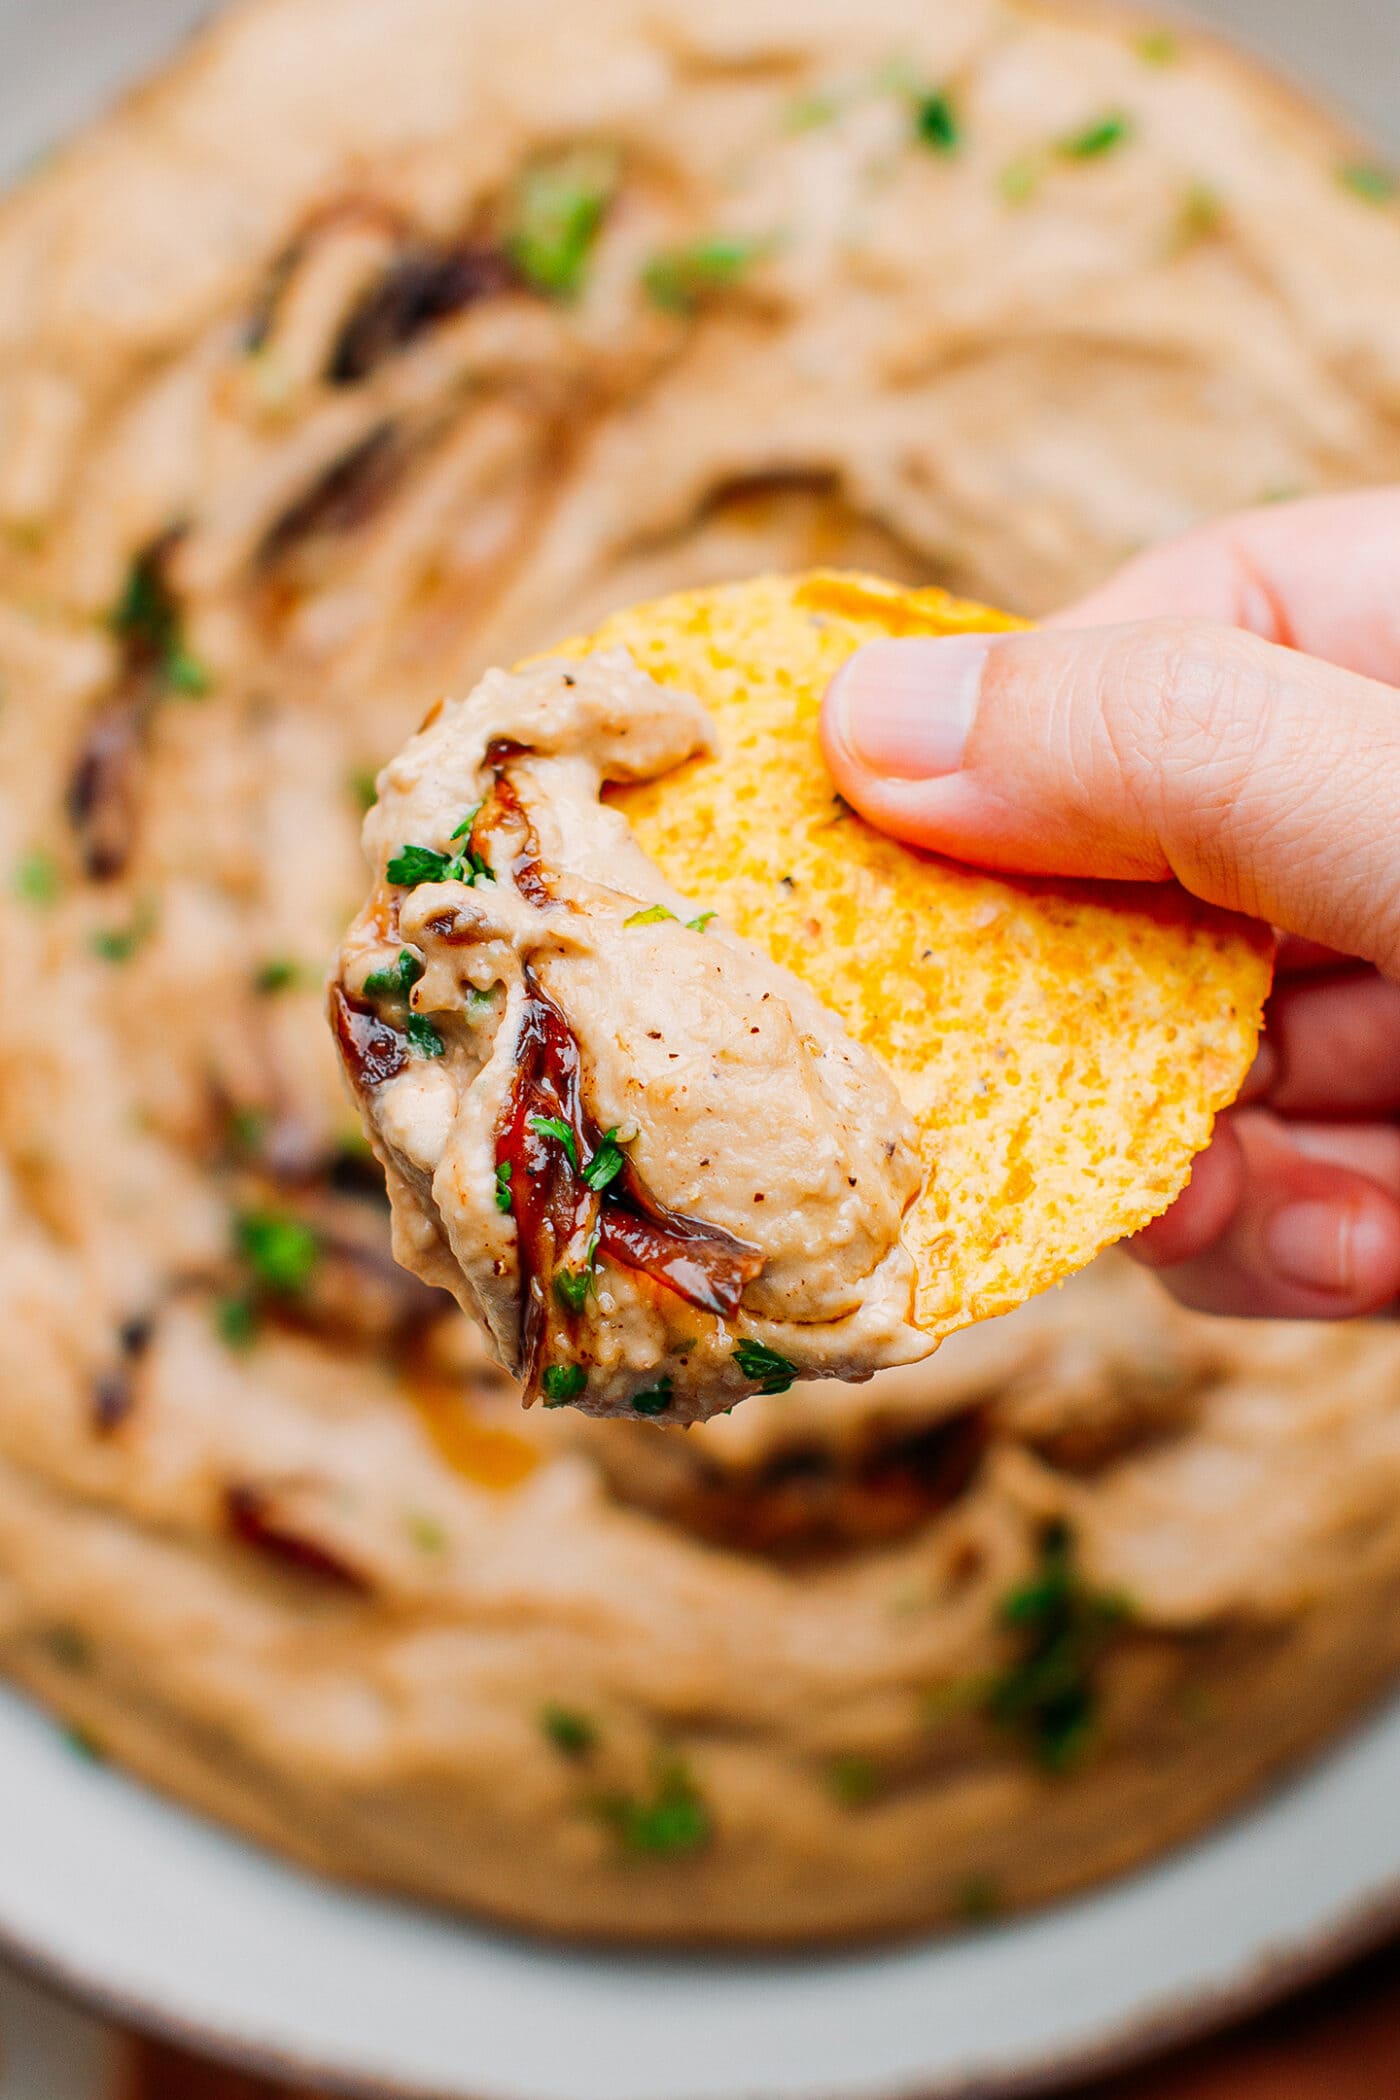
(671, 1820)
(1060, 1628)
(280, 973)
(649, 915)
(606, 1164)
(36, 878)
(281, 1251)
(654, 1400)
(679, 280)
(246, 1127)
(236, 1321)
(1370, 181)
(398, 980)
(978, 1898)
(117, 944)
(148, 619)
(556, 1127)
(427, 1532)
(571, 1286)
(936, 123)
(414, 864)
(810, 112)
(772, 1372)
(558, 212)
(853, 1780)
(69, 1647)
(700, 921)
(464, 828)
(1159, 47)
(572, 1733)
(503, 1174)
(563, 1383)
(423, 1037)
(1097, 138)
(1019, 181)
(83, 1743)
(361, 784)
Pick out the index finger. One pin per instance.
(1320, 576)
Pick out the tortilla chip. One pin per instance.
(1064, 1048)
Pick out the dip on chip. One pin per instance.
(688, 1083)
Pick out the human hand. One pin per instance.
(1225, 711)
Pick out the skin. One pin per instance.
(1223, 712)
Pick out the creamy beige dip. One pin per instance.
(645, 1156)
(272, 1530)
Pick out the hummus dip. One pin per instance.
(382, 340)
(651, 1162)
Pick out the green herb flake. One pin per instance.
(555, 1127)
(236, 1322)
(558, 212)
(148, 621)
(668, 1823)
(186, 675)
(363, 791)
(978, 1898)
(563, 1383)
(503, 1174)
(36, 878)
(811, 112)
(650, 915)
(771, 1372)
(398, 980)
(936, 123)
(700, 921)
(1019, 180)
(117, 944)
(572, 1286)
(654, 1400)
(571, 1733)
(246, 1129)
(1159, 47)
(423, 1037)
(944, 1702)
(1060, 1629)
(280, 1250)
(853, 1781)
(426, 1532)
(1370, 181)
(278, 974)
(69, 1647)
(1098, 138)
(606, 1164)
(414, 864)
(84, 1743)
(680, 280)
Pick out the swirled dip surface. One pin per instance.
(645, 1156)
(272, 1531)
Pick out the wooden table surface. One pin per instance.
(1340, 2041)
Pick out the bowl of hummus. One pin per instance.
(368, 346)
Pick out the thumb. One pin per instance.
(1262, 779)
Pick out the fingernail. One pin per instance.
(905, 709)
(1325, 1246)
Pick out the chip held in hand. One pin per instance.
(688, 1083)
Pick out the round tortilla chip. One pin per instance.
(1063, 1047)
